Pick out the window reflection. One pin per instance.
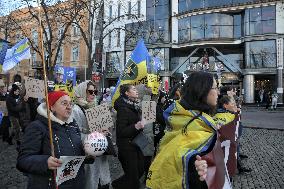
(209, 26)
(262, 54)
(155, 29)
(260, 20)
(113, 62)
(190, 5)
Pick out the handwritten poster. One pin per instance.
(99, 118)
(34, 87)
(69, 168)
(149, 111)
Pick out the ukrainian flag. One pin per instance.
(135, 71)
(153, 74)
(17, 53)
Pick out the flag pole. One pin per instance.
(46, 88)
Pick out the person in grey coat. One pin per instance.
(97, 174)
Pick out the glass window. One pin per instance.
(255, 14)
(226, 32)
(33, 57)
(60, 56)
(268, 13)
(268, 26)
(110, 12)
(237, 31)
(113, 62)
(182, 6)
(184, 35)
(139, 9)
(255, 27)
(75, 53)
(129, 10)
(161, 12)
(118, 38)
(194, 4)
(47, 35)
(262, 54)
(150, 13)
(118, 11)
(261, 21)
(35, 36)
(184, 23)
(212, 32)
(197, 21)
(76, 30)
(60, 32)
(109, 40)
(217, 3)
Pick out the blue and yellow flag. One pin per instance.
(170, 168)
(153, 78)
(135, 71)
(3, 50)
(17, 53)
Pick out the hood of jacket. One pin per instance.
(41, 110)
(81, 95)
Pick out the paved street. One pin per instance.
(259, 117)
(264, 148)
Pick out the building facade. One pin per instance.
(241, 41)
(72, 52)
(117, 15)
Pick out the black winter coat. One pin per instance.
(35, 151)
(127, 117)
(13, 106)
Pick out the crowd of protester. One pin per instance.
(190, 112)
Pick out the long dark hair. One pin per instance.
(124, 88)
(196, 90)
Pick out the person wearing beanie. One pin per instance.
(35, 157)
(14, 107)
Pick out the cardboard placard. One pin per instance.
(34, 87)
(69, 168)
(149, 111)
(99, 118)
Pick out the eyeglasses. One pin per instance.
(91, 92)
(66, 104)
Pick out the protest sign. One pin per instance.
(69, 168)
(149, 111)
(34, 87)
(99, 118)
